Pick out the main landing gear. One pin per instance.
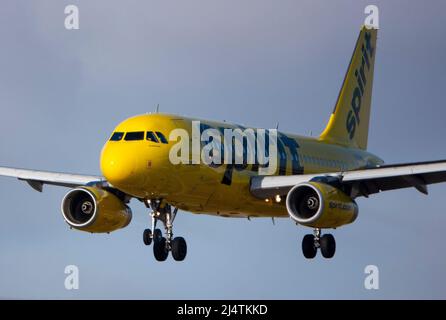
(162, 245)
(312, 242)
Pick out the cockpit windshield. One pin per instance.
(151, 136)
(133, 136)
(117, 136)
(161, 137)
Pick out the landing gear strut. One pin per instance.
(162, 245)
(312, 242)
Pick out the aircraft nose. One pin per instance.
(117, 166)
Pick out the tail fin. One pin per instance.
(349, 122)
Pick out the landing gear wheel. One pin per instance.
(160, 249)
(163, 243)
(328, 245)
(308, 248)
(179, 248)
(157, 235)
(147, 237)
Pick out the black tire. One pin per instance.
(328, 246)
(160, 250)
(179, 249)
(157, 235)
(147, 237)
(308, 248)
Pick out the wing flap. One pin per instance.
(361, 182)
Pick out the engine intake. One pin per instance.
(95, 210)
(320, 205)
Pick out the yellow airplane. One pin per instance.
(315, 183)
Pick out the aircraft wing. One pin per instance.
(360, 182)
(36, 179)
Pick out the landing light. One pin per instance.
(278, 198)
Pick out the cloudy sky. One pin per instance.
(254, 62)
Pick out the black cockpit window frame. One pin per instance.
(161, 137)
(134, 136)
(117, 136)
(150, 136)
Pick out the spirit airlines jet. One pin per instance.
(315, 184)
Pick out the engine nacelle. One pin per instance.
(95, 210)
(320, 205)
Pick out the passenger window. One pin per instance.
(151, 137)
(161, 137)
(133, 136)
(117, 136)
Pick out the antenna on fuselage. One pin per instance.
(277, 125)
(157, 108)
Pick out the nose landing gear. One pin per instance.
(162, 245)
(312, 242)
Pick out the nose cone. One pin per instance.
(117, 166)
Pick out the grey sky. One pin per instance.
(253, 62)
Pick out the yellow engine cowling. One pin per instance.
(320, 205)
(95, 210)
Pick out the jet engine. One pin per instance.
(95, 210)
(320, 205)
